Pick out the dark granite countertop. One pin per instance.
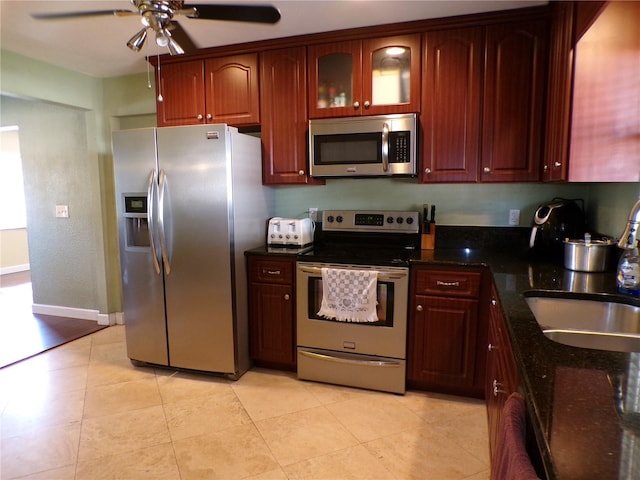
(573, 394)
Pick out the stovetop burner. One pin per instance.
(389, 238)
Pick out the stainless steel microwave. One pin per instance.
(375, 146)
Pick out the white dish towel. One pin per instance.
(349, 295)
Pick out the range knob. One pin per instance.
(399, 220)
(339, 219)
(389, 219)
(409, 220)
(330, 219)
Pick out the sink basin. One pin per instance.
(603, 325)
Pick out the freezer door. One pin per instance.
(194, 165)
(134, 155)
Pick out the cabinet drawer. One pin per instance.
(271, 271)
(451, 283)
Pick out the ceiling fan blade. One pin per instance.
(56, 16)
(180, 35)
(239, 13)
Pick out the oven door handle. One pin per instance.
(381, 275)
(373, 363)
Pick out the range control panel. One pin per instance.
(370, 221)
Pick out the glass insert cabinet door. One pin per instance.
(365, 77)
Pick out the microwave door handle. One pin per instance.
(385, 147)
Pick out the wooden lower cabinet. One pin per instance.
(502, 376)
(272, 311)
(447, 334)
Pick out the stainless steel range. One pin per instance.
(367, 352)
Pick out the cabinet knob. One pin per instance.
(419, 308)
(286, 296)
(486, 170)
(427, 171)
(494, 302)
(545, 168)
(491, 347)
(301, 173)
(367, 104)
(356, 105)
(497, 389)
(557, 164)
(199, 117)
(209, 116)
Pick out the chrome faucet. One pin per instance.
(629, 237)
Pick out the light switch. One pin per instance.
(62, 211)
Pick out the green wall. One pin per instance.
(66, 120)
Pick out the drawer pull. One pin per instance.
(440, 283)
(272, 272)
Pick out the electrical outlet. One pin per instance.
(514, 217)
(313, 214)
(62, 211)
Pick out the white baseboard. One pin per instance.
(14, 269)
(115, 318)
(79, 313)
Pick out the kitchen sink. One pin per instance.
(586, 323)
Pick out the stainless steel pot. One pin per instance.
(588, 255)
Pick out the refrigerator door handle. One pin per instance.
(163, 242)
(151, 219)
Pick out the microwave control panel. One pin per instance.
(399, 147)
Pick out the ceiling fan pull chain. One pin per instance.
(148, 75)
(160, 98)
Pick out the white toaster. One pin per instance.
(290, 232)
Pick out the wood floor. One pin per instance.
(23, 333)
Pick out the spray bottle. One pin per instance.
(628, 277)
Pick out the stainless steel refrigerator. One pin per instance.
(190, 201)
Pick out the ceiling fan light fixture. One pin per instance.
(174, 47)
(162, 37)
(137, 41)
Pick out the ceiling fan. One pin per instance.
(157, 15)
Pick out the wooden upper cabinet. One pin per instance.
(368, 77)
(605, 121)
(231, 90)
(556, 143)
(181, 89)
(283, 103)
(451, 93)
(216, 90)
(514, 93)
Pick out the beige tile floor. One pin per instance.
(82, 411)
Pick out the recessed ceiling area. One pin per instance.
(97, 45)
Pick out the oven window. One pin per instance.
(384, 308)
(348, 148)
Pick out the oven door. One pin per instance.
(385, 338)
